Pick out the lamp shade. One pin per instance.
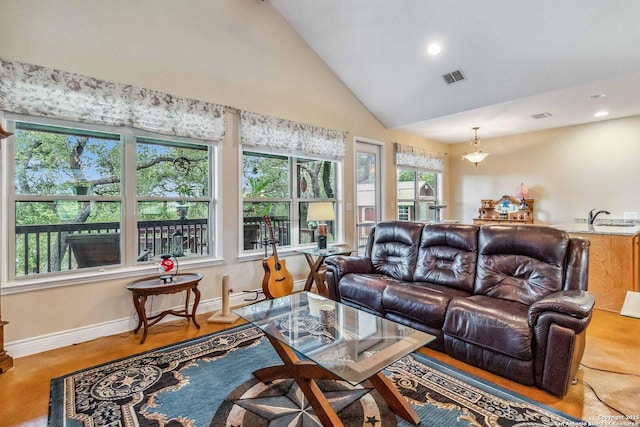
(321, 211)
(475, 157)
(522, 191)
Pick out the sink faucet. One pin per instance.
(592, 216)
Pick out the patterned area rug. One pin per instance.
(208, 382)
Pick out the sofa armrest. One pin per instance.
(574, 303)
(345, 264)
(338, 266)
(559, 322)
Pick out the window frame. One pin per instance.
(129, 266)
(211, 155)
(294, 201)
(415, 202)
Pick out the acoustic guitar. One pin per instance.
(277, 281)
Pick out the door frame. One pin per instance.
(377, 148)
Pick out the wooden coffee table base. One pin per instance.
(305, 373)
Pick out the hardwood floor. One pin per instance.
(613, 344)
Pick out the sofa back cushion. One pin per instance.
(522, 263)
(394, 248)
(447, 255)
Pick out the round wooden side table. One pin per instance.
(143, 288)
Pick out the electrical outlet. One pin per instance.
(631, 215)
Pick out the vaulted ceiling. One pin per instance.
(518, 59)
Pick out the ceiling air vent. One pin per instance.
(541, 115)
(452, 77)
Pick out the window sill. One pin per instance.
(91, 276)
(254, 256)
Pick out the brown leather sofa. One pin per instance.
(511, 299)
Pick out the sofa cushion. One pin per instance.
(521, 371)
(365, 289)
(395, 247)
(447, 255)
(423, 302)
(520, 263)
(489, 323)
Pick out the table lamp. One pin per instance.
(321, 211)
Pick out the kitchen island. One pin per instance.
(613, 259)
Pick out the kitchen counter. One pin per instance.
(614, 258)
(614, 228)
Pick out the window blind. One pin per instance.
(46, 92)
(292, 137)
(416, 158)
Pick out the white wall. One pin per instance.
(239, 53)
(569, 171)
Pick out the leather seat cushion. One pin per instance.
(365, 289)
(420, 301)
(491, 323)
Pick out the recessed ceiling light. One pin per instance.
(596, 96)
(601, 114)
(434, 49)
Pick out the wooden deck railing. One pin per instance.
(44, 248)
(256, 231)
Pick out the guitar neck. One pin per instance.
(273, 238)
(273, 247)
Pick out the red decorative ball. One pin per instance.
(167, 264)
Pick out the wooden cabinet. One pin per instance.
(613, 268)
(6, 362)
(506, 209)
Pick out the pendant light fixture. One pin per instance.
(477, 156)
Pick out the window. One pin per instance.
(172, 183)
(415, 192)
(68, 202)
(282, 187)
(66, 186)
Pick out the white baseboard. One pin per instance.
(29, 346)
(33, 345)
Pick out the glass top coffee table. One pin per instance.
(336, 342)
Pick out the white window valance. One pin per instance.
(417, 158)
(285, 135)
(46, 92)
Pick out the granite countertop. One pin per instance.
(618, 227)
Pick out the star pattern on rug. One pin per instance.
(292, 408)
(372, 420)
(128, 381)
(223, 341)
